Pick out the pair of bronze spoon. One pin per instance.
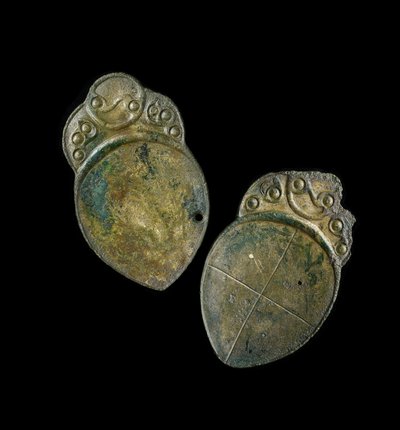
(141, 199)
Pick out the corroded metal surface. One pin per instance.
(272, 276)
(141, 198)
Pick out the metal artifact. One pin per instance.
(272, 276)
(141, 198)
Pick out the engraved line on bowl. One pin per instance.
(234, 279)
(258, 299)
(258, 294)
(287, 310)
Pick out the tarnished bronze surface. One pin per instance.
(141, 198)
(272, 276)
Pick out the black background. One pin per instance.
(247, 111)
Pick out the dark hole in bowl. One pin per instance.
(198, 217)
(299, 283)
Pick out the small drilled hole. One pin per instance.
(198, 217)
(299, 283)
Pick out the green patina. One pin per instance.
(258, 233)
(312, 279)
(241, 241)
(195, 203)
(190, 205)
(143, 154)
(154, 137)
(311, 263)
(94, 194)
(174, 184)
(92, 142)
